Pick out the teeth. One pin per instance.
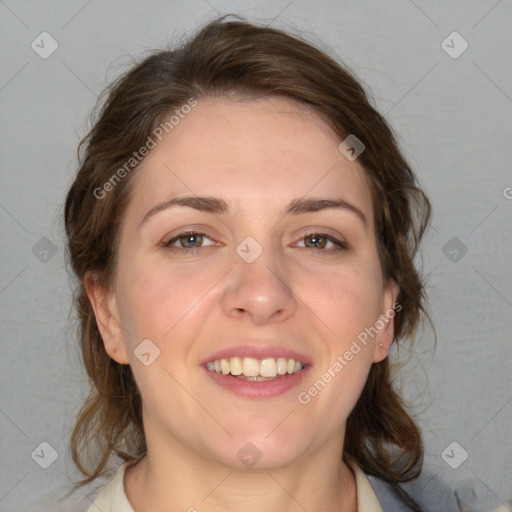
(268, 367)
(255, 368)
(225, 366)
(251, 367)
(281, 365)
(236, 366)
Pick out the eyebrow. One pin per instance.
(216, 205)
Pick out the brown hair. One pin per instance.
(240, 59)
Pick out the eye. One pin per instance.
(322, 241)
(189, 241)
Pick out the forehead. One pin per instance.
(256, 153)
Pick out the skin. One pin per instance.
(258, 155)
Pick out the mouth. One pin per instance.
(256, 372)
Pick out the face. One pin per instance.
(250, 236)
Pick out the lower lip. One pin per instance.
(254, 389)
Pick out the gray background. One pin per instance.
(452, 116)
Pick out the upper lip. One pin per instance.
(257, 352)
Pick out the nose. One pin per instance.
(259, 292)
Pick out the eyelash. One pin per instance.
(339, 245)
(189, 250)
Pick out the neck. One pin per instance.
(179, 479)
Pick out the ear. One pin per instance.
(104, 305)
(385, 322)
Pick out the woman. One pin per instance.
(242, 228)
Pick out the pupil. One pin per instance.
(317, 241)
(193, 240)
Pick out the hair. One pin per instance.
(237, 59)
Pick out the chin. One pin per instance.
(258, 452)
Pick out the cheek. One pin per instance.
(347, 300)
(157, 300)
(141, 305)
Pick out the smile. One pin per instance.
(256, 370)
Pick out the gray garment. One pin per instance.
(427, 490)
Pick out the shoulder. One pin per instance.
(112, 497)
(427, 490)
